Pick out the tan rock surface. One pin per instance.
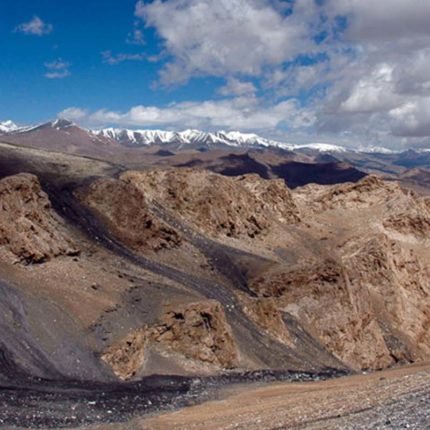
(123, 207)
(197, 331)
(219, 206)
(30, 231)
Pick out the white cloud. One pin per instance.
(381, 95)
(136, 37)
(412, 119)
(241, 113)
(383, 20)
(57, 69)
(372, 93)
(113, 59)
(35, 27)
(227, 37)
(236, 87)
(367, 80)
(74, 114)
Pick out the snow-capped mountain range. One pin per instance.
(197, 137)
(188, 137)
(183, 139)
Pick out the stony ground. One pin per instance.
(394, 399)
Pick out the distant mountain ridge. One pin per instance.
(188, 137)
(192, 139)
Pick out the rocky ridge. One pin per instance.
(219, 206)
(343, 268)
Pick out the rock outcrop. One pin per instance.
(323, 301)
(197, 331)
(243, 207)
(30, 230)
(123, 208)
(128, 356)
(367, 192)
(409, 224)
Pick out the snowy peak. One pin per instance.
(8, 127)
(322, 147)
(186, 139)
(61, 124)
(196, 138)
(189, 138)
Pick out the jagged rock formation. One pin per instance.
(128, 356)
(417, 225)
(363, 194)
(30, 231)
(273, 195)
(399, 285)
(308, 278)
(267, 315)
(233, 207)
(197, 331)
(364, 294)
(358, 289)
(123, 208)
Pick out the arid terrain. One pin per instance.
(385, 400)
(112, 273)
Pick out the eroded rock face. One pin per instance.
(408, 224)
(399, 285)
(128, 356)
(274, 197)
(320, 297)
(123, 208)
(367, 192)
(30, 231)
(265, 312)
(197, 331)
(369, 308)
(219, 206)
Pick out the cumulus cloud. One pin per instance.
(236, 87)
(383, 20)
(372, 93)
(74, 114)
(412, 119)
(240, 113)
(57, 69)
(381, 94)
(35, 27)
(227, 37)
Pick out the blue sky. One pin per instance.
(352, 72)
(81, 31)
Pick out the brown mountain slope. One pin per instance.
(350, 285)
(254, 274)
